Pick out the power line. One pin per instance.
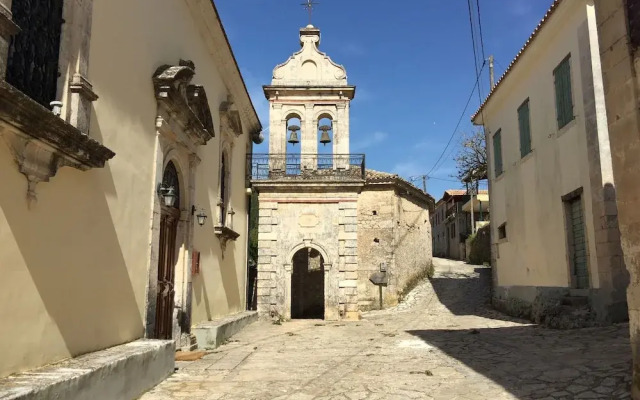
(480, 26)
(474, 45)
(455, 130)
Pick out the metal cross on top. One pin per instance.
(309, 7)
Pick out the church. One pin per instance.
(335, 238)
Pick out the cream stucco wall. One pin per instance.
(527, 195)
(76, 265)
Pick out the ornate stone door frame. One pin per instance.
(330, 282)
(183, 123)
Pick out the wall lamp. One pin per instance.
(201, 216)
(168, 194)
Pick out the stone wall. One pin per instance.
(620, 70)
(413, 250)
(377, 216)
(395, 231)
(326, 222)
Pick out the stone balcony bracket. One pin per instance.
(225, 234)
(42, 142)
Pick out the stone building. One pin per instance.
(451, 223)
(555, 241)
(123, 213)
(619, 38)
(326, 224)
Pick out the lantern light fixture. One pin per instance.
(168, 195)
(201, 217)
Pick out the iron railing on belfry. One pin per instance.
(306, 166)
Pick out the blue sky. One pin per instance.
(411, 62)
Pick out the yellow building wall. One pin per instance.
(76, 265)
(527, 196)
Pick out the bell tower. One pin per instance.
(308, 186)
(309, 100)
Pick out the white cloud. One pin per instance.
(371, 140)
(408, 169)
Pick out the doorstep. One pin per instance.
(212, 334)
(122, 372)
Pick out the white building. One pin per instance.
(555, 238)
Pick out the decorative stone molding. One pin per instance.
(225, 234)
(230, 120)
(41, 142)
(187, 102)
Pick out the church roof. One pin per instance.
(379, 177)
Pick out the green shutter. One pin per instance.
(497, 152)
(524, 123)
(564, 100)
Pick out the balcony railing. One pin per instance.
(339, 167)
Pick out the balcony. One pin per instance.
(311, 167)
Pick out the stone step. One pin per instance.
(121, 372)
(213, 333)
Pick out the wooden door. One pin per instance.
(166, 273)
(579, 255)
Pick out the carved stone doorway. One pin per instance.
(307, 285)
(167, 257)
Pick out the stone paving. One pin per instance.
(443, 342)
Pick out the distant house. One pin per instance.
(555, 237)
(450, 225)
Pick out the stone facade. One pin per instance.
(327, 212)
(81, 213)
(618, 27)
(393, 228)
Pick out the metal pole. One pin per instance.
(424, 183)
(473, 230)
(380, 290)
(491, 75)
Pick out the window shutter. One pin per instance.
(564, 101)
(497, 152)
(524, 124)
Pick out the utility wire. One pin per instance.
(474, 45)
(455, 130)
(480, 26)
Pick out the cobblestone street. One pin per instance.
(441, 343)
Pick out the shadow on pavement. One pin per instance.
(536, 363)
(464, 295)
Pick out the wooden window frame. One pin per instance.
(524, 128)
(497, 171)
(561, 118)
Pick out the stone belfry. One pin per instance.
(308, 186)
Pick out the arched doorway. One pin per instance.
(307, 285)
(169, 218)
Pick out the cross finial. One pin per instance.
(309, 7)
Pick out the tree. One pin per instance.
(471, 160)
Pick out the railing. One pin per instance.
(306, 166)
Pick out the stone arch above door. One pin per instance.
(311, 245)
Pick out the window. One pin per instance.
(497, 152)
(524, 122)
(224, 191)
(564, 99)
(32, 65)
(502, 231)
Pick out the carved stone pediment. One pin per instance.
(185, 102)
(230, 119)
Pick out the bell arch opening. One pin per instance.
(325, 142)
(293, 144)
(307, 284)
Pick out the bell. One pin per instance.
(324, 138)
(293, 137)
